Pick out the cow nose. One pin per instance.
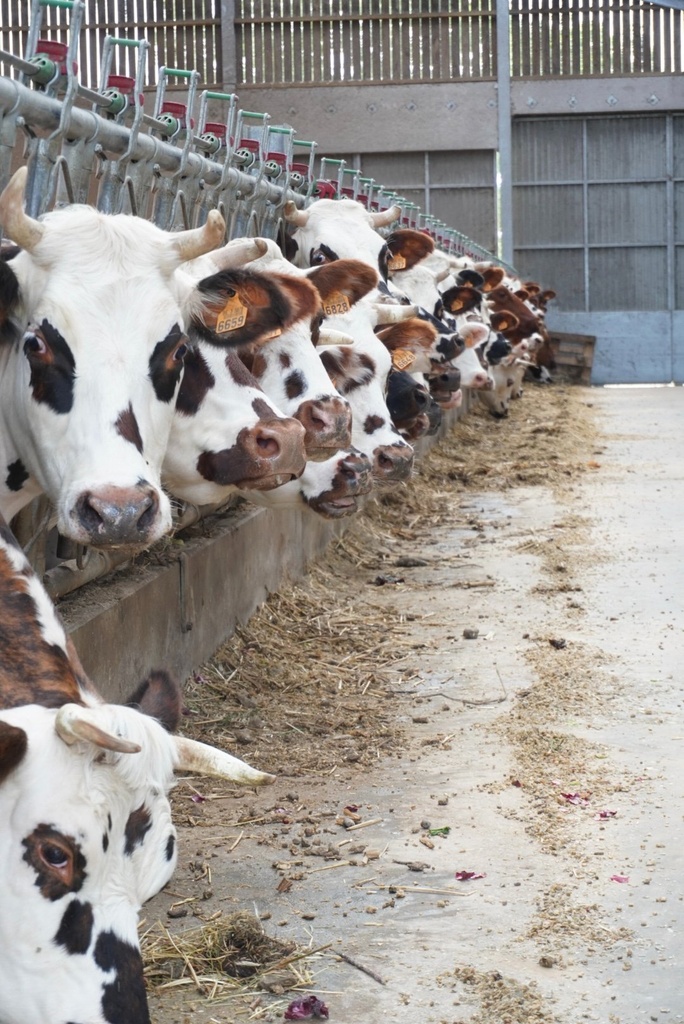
(422, 398)
(392, 463)
(356, 470)
(327, 423)
(118, 515)
(276, 448)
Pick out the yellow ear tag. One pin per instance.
(232, 316)
(455, 305)
(402, 359)
(336, 302)
(470, 341)
(397, 262)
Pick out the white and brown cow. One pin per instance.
(86, 835)
(94, 314)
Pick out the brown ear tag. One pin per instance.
(397, 262)
(232, 316)
(335, 303)
(402, 359)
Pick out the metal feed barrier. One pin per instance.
(98, 145)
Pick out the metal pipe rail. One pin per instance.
(44, 113)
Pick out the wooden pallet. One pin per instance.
(574, 356)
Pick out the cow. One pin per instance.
(333, 229)
(94, 314)
(333, 488)
(86, 835)
(413, 410)
(288, 368)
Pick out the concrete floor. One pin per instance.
(631, 572)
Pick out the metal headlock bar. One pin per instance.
(98, 145)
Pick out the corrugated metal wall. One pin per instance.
(599, 215)
(457, 186)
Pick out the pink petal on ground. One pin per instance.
(576, 798)
(197, 798)
(467, 876)
(305, 1009)
(605, 814)
(619, 878)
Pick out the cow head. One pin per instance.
(87, 838)
(333, 229)
(92, 350)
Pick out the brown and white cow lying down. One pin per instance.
(86, 835)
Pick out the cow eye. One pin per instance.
(318, 258)
(55, 856)
(180, 352)
(34, 345)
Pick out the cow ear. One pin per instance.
(522, 293)
(302, 297)
(493, 276)
(350, 279)
(470, 277)
(13, 746)
(239, 307)
(461, 298)
(504, 321)
(408, 247)
(159, 696)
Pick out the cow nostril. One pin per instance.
(268, 446)
(421, 399)
(149, 513)
(88, 515)
(384, 461)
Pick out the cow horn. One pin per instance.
(382, 218)
(22, 229)
(74, 722)
(198, 241)
(387, 314)
(200, 757)
(327, 336)
(295, 216)
(239, 252)
(441, 275)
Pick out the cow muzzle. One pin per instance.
(273, 453)
(118, 516)
(353, 479)
(327, 422)
(392, 463)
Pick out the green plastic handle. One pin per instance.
(301, 142)
(281, 131)
(57, 3)
(220, 95)
(176, 73)
(249, 113)
(126, 42)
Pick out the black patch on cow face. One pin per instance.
(373, 423)
(285, 360)
(127, 425)
(105, 841)
(262, 409)
(109, 822)
(17, 475)
(197, 381)
(57, 860)
(384, 257)
(124, 998)
(138, 825)
(13, 746)
(76, 927)
(170, 847)
(295, 384)
(322, 254)
(166, 363)
(53, 368)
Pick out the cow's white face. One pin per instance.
(87, 838)
(92, 391)
(340, 229)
